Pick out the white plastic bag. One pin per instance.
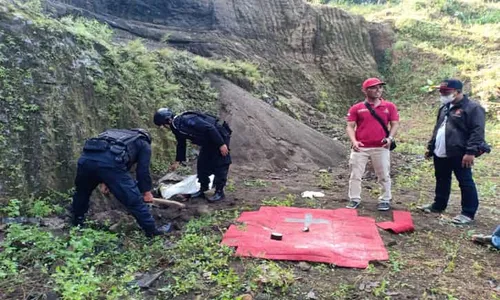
(189, 185)
(311, 194)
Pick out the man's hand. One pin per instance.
(148, 197)
(467, 161)
(428, 154)
(387, 143)
(174, 166)
(104, 189)
(223, 150)
(356, 145)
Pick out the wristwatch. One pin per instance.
(391, 138)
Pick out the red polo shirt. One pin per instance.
(368, 129)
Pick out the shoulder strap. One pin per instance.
(122, 136)
(204, 116)
(374, 114)
(200, 114)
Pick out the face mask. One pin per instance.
(447, 99)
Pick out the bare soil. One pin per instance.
(436, 261)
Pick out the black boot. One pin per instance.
(163, 230)
(78, 221)
(198, 194)
(218, 196)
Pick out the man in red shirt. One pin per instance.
(369, 141)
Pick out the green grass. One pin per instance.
(288, 200)
(90, 263)
(438, 39)
(93, 263)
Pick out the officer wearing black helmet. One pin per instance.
(106, 160)
(213, 138)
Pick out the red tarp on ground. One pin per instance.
(402, 222)
(337, 236)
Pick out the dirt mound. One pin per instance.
(265, 138)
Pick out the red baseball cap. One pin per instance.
(372, 82)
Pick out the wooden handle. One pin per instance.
(168, 202)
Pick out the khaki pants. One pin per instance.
(381, 161)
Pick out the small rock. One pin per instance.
(207, 275)
(380, 263)
(51, 296)
(114, 227)
(203, 210)
(245, 297)
(311, 295)
(172, 177)
(304, 266)
(493, 283)
(368, 286)
(392, 243)
(53, 223)
(146, 280)
(391, 293)
(169, 245)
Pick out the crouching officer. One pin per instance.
(213, 138)
(106, 159)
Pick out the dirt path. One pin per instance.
(437, 261)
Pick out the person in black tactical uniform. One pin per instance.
(106, 160)
(206, 131)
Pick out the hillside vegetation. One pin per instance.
(64, 81)
(435, 39)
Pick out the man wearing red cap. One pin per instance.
(370, 140)
(458, 137)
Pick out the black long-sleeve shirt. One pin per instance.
(139, 154)
(196, 129)
(143, 159)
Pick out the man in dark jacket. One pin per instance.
(458, 137)
(213, 138)
(106, 160)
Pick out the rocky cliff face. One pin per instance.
(64, 81)
(61, 83)
(310, 50)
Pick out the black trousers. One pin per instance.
(120, 183)
(443, 167)
(211, 161)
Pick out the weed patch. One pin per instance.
(289, 200)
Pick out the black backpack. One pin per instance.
(116, 141)
(223, 127)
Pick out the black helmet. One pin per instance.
(162, 116)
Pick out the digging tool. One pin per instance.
(168, 202)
